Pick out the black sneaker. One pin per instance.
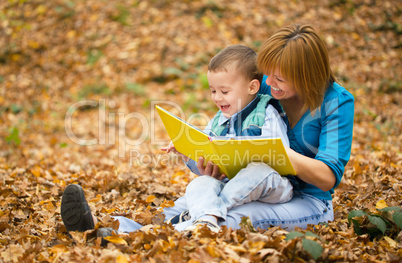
(75, 211)
(105, 232)
(184, 216)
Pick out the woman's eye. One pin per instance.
(279, 80)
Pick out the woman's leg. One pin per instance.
(302, 210)
(198, 200)
(257, 182)
(128, 225)
(180, 206)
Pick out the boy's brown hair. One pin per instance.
(242, 58)
(301, 58)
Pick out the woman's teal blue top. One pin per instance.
(326, 135)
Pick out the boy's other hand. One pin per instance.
(210, 169)
(171, 148)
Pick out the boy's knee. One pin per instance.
(202, 180)
(262, 169)
(261, 166)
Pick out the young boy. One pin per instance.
(234, 82)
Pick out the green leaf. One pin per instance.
(13, 137)
(247, 224)
(379, 222)
(137, 89)
(311, 234)
(62, 145)
(293, 234)
(96, 88)
(207, 21)
(93, 56)
(16, 108)
(122, 16)
(356, 213)
(173, 72)
(312, 247)
(392, 208)
(397, 217)
(373, 232)
(204, 81)
(356, 227)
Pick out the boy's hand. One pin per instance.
(209, 169)
(171, 148)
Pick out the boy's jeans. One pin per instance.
(301, 210)
(206, 195)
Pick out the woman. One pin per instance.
(319, 115)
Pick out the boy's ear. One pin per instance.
(254, 87)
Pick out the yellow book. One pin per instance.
(231, 154)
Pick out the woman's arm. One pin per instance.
(312, 171)
(325, 170)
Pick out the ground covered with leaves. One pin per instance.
(78, 81)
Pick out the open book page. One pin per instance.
(230, 153)
(236, 153)
(186, 138)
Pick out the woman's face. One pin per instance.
(281, 89)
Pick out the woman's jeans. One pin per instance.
(258, 192)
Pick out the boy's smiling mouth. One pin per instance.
(224, 107)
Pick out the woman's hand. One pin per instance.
(209, 169)
(312, 171)
(171, 148)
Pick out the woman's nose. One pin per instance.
(269, 80)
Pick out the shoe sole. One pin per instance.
(75, 211)
(212, 227)
(105, 232)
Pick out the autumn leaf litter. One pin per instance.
(130, 53)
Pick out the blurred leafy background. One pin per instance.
(124, 55)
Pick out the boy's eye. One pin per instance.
(224, 92)
(212, 91)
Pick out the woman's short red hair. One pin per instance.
(301, 58)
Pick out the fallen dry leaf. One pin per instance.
(117, 57)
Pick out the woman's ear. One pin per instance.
(254, 87)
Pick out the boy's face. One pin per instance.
(230, 91)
